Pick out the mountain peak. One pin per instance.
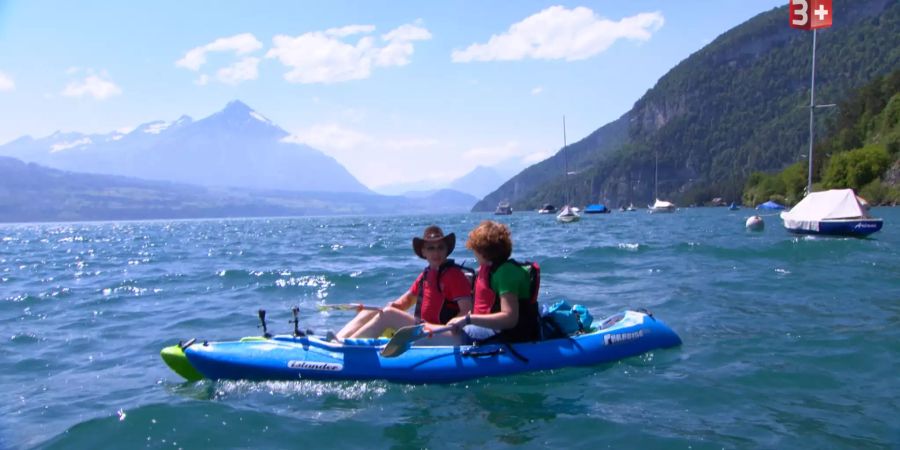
(236, 107)
(238, 116)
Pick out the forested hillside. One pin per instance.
(735, 107)
(861, 151)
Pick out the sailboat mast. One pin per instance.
(812, 108)
(656, 179)
(565, 159)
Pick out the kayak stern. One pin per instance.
(175, 358)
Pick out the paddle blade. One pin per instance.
(402, 340)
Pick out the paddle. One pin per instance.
(349, 307)
(404, 337)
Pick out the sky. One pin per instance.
(396, 91)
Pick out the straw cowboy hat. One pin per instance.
(434, 234)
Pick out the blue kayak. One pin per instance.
(285, 357)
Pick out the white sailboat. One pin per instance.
(835, 212)
(659, 206)
(567, 214)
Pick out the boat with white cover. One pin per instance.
(836, 212)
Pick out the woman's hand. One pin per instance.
(401, 302)
(460, 321)
(396, 305)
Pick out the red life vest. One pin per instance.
(487, 301)
(432, 305)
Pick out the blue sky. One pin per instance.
(396, 91)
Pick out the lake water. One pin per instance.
(788, 342)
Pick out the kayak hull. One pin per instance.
(287, 357)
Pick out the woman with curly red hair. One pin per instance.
(504, 305)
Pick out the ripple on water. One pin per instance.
(788, 342)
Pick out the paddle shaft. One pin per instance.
(350, 307)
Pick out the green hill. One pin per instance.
(735, 107)
(861, 151)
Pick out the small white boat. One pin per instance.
(568, 214)
(503, 209)
(661, 206)
(547, 209)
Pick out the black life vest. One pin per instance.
(449, 309)
(528, 327)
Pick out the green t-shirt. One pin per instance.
(513, 278)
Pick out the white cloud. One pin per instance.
(323, 57)
(535, 157)
(6, 82)
(350, 30)
(202, 80)
(537, 90)
(407, 32)
(330, 137)
(491, 155)
(243, 70)
(414, 144)
(240, 44)
(97, 86)
(379, 160)
(560, 33)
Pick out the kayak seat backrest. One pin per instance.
(365, 342)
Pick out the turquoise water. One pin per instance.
(788, 342)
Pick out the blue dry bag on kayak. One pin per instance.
(562, 319)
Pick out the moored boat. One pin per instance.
(661, 206)
(286, 357)
(568, 214)
(597, 208)
(503, 209)
(836, 212)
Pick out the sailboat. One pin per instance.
(659, 206)
(835, 212)
(567, 214)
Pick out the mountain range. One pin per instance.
(737, 106)
(32, 193)
(235, 147)
(479, 182)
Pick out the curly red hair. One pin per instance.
(491, 240)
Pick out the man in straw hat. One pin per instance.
(441, 292)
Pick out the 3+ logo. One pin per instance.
(810, 14)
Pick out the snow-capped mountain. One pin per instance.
(236, 147)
